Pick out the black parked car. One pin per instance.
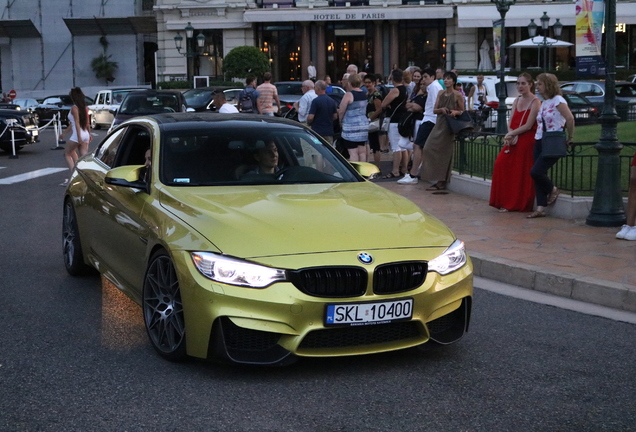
(51, 105)
(582, 109)
(24, 126)
(594, 91)
(146, 102)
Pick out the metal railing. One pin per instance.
(575, 174)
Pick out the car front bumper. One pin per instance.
(265, 326)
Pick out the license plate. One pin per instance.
(369, 313)
(34, 132)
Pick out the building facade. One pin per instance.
(334, 33)
(47, 46)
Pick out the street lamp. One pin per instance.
(557, 29)
(607, 206)
(503, 6)
(188, 53)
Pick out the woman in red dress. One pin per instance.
(512, 187)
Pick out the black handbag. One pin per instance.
(461, 123)
(406, 125)
(553, 144)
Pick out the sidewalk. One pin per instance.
(563, 257)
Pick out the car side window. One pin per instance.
(107, 150)
(133, 147)
(568, 87)
(597, 90)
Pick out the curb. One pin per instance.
(562, 284)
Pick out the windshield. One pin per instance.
(144, 104)
(626, 90)
(289, 88)
(231, 155)
(66, 100)
(198, 97)
(118, 96)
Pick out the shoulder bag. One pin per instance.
(553, 143)
(387, 120)
(461, 123)
(406, 125)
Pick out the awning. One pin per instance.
(111, 26)
(345, 14)
(519, 15)
(18, 29)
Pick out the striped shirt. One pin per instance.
(265, 99)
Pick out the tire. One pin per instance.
(71, 244)
(162, 308)
(9, 148)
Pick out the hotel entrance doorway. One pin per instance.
(350, 48)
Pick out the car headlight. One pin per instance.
(452, 259)
(235, 272)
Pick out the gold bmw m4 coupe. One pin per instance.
(250, 239)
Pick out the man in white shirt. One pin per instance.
(428, 122)
(304, 103)
(221, 104)
(311, 71)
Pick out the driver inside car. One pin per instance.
(267, 159)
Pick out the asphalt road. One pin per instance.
(74, 357)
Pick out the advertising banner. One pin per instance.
(589, 35)
(496, 38)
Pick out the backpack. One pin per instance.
(246, 103)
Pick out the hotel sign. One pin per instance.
(348, 14)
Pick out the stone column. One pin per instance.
(378, 61)
(321, 52)
(305, 51)
(395, 45)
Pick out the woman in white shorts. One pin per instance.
(79, 125)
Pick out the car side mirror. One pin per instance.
(366, 169)
(127, 176)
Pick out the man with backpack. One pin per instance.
(247, 98)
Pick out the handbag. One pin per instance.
(553, 143)
(386, 123)
(374, 126)
(460, 123)
(406, 125)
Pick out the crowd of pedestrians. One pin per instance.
(372, 120)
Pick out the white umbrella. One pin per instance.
(484, 53)
(538, 42)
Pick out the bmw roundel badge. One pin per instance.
(365, 258)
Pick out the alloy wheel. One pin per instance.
(163, 310)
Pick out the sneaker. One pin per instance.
(623, 232)
(407, 179)
(631, 234)
(64, 183)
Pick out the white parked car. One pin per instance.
(102, 111)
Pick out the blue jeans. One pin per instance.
(542, 184)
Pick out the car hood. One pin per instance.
(258, 221)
